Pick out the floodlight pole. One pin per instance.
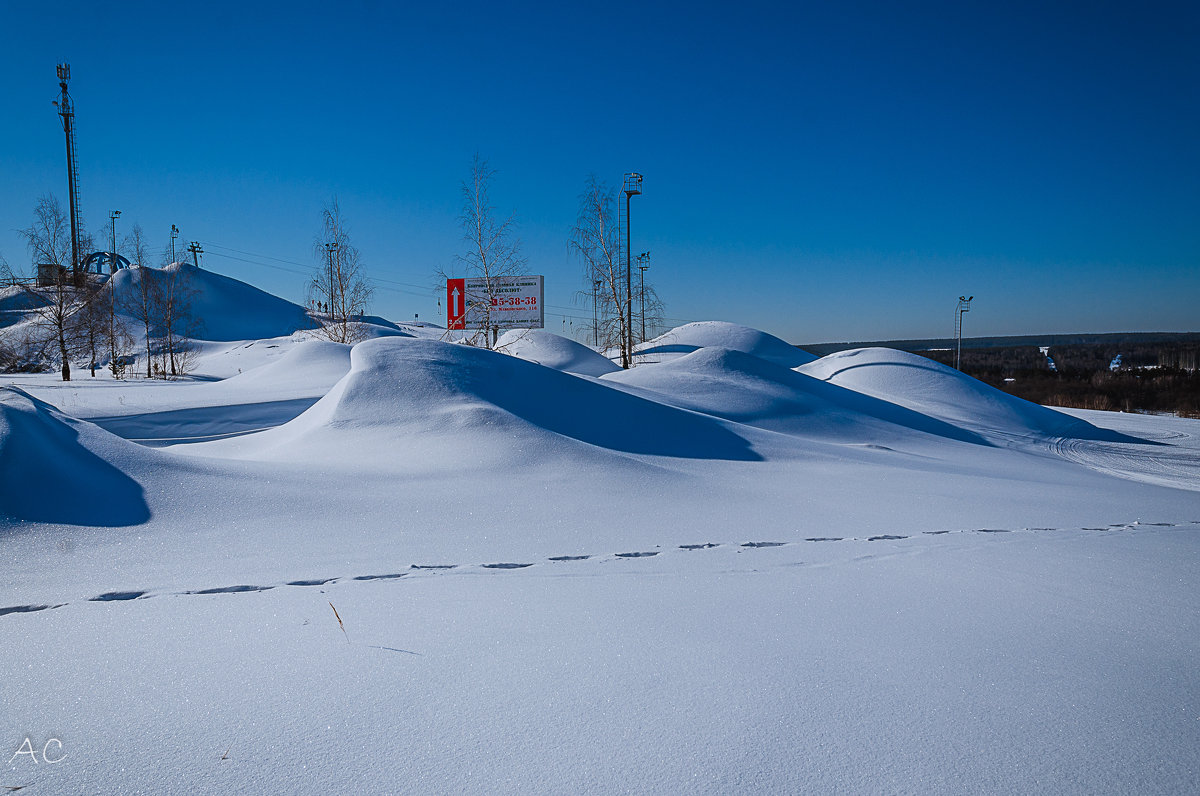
(633, 187)
(643, 264)
(112, 265)
(174, 235)
(964, 305)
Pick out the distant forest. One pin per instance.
(1125, 374)
(1148, 377)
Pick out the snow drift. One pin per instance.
(554, 351)
(746, 389)
(455, 403)
(939, 391)
(61, 470)
(17, 299)
(720, 334)
(313, 362)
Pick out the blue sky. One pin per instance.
(839, 171)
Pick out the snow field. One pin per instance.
(734, 568)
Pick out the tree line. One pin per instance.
(72, 316)
(1146, 378)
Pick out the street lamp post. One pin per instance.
(112, 264)
(633, 187)
(964, 305)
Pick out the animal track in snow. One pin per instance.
(114, 596)
(28, 609)
(231, 590)
(123, 596)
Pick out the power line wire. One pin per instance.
(425, 290)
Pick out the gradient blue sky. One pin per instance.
(835, 171)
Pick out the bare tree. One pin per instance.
(596, 241)
(161, 302)
(493, 251)
(49, 242)
(338, 287)
(91, 320)
(177, 322)
(142, 304)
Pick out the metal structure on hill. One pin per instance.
(964, 305)
(66, 110)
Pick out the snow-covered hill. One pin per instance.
(224, 309)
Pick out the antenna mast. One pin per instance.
(66, 110)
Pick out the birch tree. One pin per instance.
(338, 286)
(493, 251)
(596, 241)
(49, 242)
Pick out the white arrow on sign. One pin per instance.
(456, 306)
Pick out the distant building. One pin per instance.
(1181, 358)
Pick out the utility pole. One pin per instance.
(643, 264)
(596, 283)
(174, 235)
(633, 187)
(112, 264)
(66, 110)
(964, 305)
(196, 251)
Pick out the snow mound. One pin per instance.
(313, 361)
(720, 334)
(60, 470)
(939, 391)
(436, 403)
(224, 308)
(554, 351)
(746, 389)
(16, 298)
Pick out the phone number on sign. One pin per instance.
(515, 301)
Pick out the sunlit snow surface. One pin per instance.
(735, 568)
